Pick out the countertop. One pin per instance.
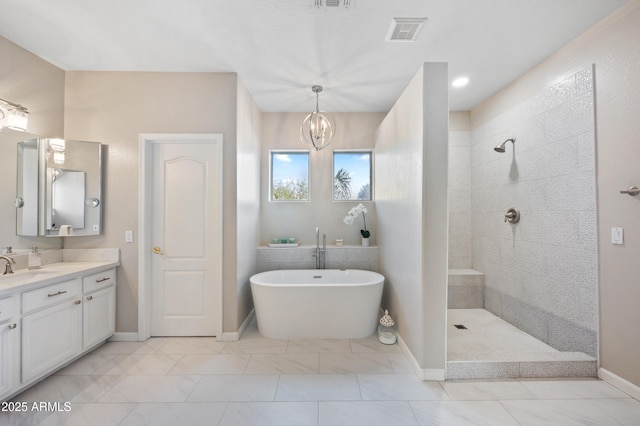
(25, 279)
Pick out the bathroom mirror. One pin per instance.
(59, 189)
(27, 191)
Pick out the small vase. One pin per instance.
(365, 242)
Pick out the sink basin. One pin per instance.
(27, 274)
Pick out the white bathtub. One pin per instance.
(317, 303)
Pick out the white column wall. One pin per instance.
(411, 203)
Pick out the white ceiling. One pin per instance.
(281, 48)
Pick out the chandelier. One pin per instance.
(318, 128)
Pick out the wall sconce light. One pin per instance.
(13, 116)
(318, 128)
(56, 150)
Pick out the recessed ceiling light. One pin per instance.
(460, 82)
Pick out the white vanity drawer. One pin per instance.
(50, 295)
(6, 308)
(97, 281)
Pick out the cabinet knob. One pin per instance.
(157, 250)
(78, 302)
(12, 326)
(90, 298)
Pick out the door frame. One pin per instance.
(146, 142)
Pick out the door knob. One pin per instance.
(157, 250)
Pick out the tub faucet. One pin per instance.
(320, 252)
(7, 269)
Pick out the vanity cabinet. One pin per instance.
(51, 328)
(46, 324)
(9, 345)
(98, 307)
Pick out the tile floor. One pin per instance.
(258, 381)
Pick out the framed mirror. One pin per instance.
(67, 182)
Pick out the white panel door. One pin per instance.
(186, 237)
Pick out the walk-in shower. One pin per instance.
(526, 292)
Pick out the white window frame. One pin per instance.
(294, 152)
(333, 172)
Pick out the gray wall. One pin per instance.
(248, 198)
(33, 82)
(114, 108)
(460, 235)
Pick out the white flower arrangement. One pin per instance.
(353, 214)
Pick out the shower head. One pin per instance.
(500, 148)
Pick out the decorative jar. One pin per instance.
(387, 329)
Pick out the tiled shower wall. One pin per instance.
(460, 200)
(540, 274)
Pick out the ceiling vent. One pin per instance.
(331, 4)
(405, 29)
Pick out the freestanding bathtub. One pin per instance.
(317, 303)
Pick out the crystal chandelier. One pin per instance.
(318, 128)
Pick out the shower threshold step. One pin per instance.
(569, 364)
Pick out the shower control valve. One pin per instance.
(512, 216)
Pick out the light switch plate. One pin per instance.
(128, 236)
(617, 235)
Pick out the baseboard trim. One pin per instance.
(124, 337)
(234, 336)
(426, 374)
(619, 383)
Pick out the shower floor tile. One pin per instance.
(484, 346)
(488, 337)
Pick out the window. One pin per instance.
(289, 176)
(352, 175)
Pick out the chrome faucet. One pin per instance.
(320, 252)
(7, 269)
(323, 252)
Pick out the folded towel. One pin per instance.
(65, 230)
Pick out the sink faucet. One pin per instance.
(7, 269)
(320, 252)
